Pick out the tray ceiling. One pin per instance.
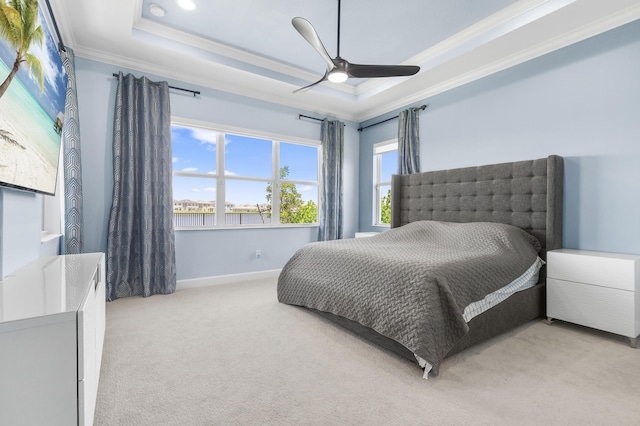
(250, 48)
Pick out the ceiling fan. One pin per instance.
(339, 69)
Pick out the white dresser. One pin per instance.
(595, 289)
(52, 323)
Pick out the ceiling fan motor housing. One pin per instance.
(339, 69)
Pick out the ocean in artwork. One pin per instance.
(29, 141)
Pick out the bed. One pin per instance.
(458, 238)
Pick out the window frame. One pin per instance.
(52, 221)
(379, 149)
(220, 176)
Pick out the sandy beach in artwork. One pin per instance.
(29, 145)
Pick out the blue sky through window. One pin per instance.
(194, 151)
(301, 159)
(389, 165)
(245, 156)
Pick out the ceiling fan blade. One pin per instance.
(373, 71)
(307, 31)
(324, 77)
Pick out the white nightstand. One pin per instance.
(595, 289)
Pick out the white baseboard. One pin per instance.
(227, 279)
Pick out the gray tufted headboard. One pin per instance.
(526, 194)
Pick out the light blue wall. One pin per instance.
(20, 229)
(238, 252)
(199, 253)
(581, 102)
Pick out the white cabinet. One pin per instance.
(52, 322)
(595, 289)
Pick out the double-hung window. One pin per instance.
(227, 177)
(385, 164)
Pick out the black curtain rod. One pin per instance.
(310, 118)
(55, 27)
(195, 92)
(422, 107)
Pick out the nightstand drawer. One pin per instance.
(603, 308)
(603, 269)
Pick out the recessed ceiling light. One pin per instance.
(157, 10)
(186, 4)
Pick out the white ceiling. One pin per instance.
(249, 47)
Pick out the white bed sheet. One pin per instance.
(523, 282)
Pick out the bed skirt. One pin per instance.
(518, 309)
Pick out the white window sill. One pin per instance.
(46, 237)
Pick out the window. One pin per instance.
(385, 163)
(256, 179)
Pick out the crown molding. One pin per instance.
(247, 84)
(458, 40)
(455, 63)
(63, 21)
(576, 35)
(443, 48)
(210, 46)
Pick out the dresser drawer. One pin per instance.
(603, 269)
(603, 308)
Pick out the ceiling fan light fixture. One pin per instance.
(337, 76)
(338, 69)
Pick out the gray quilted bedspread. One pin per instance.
(412, 283)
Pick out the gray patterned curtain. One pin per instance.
(73, 223)
(330, 213)
(140, 245)
(408, 142)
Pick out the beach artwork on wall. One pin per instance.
(33, 85)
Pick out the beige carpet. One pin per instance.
(232, 355)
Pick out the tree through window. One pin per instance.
(226, 178)
(385, 164)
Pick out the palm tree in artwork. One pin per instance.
(18, 26)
